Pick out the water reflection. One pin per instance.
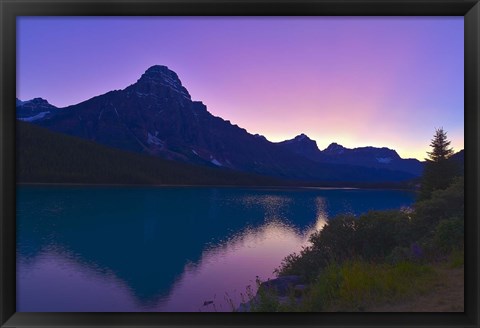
(225, 271)
(92, 288)
(164, 249)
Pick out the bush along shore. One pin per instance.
(361, 263)
(381, 259)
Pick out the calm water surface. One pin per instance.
(165, 249)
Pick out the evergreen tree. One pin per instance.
(441, 150)
(439, 171)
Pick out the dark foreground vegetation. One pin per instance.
(357, 263)
(44, 156)
(48, 157)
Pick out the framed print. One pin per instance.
(310, 163)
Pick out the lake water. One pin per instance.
(84, 248)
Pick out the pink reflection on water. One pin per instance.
(225, 271)
(56, 282)
(221, 275)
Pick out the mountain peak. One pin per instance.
(159, 69)
(161, 76)
(34, 109)
(302, 137)
(334, 148)
(335, 145)
(38, 102)
(302, 145)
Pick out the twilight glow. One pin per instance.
(357, 81)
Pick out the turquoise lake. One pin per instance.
(165, 249)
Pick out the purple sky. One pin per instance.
(356, 81)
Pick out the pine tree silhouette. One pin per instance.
(439, 171)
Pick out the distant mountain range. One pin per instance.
(156, 117)
(372, 157)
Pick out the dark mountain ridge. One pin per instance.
(44, 156)
(156, 116)
(34, 109)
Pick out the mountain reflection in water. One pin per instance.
(165, 249)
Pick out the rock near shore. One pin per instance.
(281, 288)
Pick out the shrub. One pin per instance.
(334, 243)
(379, 232)
(399, 254)
(337, 240)
(372, 236)
(303, 264)
(392, 236)
(449, 235)
(443, 204)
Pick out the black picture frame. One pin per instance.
(10, 9)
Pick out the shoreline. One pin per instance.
(68, 184)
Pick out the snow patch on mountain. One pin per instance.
(384, 160)
(153, 140)
(39, 116)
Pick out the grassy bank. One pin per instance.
(360, 286)
(356, 285)
(380, 258)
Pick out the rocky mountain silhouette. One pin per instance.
(34, 109)
(156, 116)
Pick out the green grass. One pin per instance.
(401, 254)
(356, 285)
(457, 259)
